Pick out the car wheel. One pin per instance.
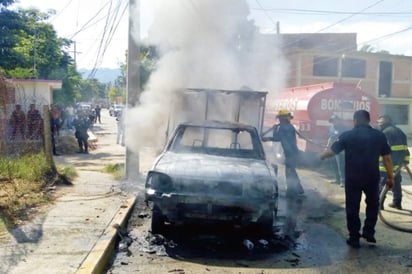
(158, 221)
(265, 222)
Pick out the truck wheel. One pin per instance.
(158, 221)
(265, 222)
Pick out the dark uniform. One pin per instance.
(400, 155)
(363, 145)
(81, 124)
(285, 133)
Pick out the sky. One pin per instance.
(100, 27)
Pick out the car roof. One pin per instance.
(217, 124)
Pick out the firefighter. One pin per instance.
(81, 124)
(285, 133)
(363, 146)
(397, 140)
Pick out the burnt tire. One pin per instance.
(265, 222)
(158, 221)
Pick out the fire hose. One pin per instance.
(382, 197)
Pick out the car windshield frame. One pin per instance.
(237, 142)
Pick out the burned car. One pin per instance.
(213, 172)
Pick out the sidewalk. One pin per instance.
(76, 230)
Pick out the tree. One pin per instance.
(9, 37)
(70, 91)
(6, 3)
(92, 90)
(30, 48)
(369, 48)
(35, 48)
(148, 59)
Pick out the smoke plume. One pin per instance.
(203, 44)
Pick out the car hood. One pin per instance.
(211, 167)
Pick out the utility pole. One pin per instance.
(133, 82)
(75, 52)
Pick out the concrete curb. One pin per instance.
(99, 256)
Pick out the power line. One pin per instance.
(107, 36)
(328, 26)
(61, 11)
(383, 37)
(350, 16)
(89, 23)
(267, 14)
(331, 12)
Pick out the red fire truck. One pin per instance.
(313, 105)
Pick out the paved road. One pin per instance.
(319, 223)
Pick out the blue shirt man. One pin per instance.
(363, 145)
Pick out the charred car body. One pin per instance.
(213, 172)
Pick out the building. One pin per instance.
(37, 91)
(386, 76)
(23, 92)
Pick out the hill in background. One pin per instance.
(104, 75)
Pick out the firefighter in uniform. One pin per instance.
(285, 133)
(82, 124)
(363, 145)
(398, 143)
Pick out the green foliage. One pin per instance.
(24, 184)
(23, 180)
(68, 171)
(6, 3)
(70, 91)
(30, 48)
(112, 93)
(148, 59)
(23, 168)
(20, 73)
(91, 89)
(117, 170)
(369, 48)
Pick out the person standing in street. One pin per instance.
(98, 110)
(285, 133)
(398, 143)
(363, 146)
(335, 130)
(120, 129)
(55, 119)
(81, 125)
(70, 116)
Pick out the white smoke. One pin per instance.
(203, 44)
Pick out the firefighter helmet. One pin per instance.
(284, 113)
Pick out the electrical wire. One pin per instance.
(91, 21)
(61, 11)
(361, 12)
(267, 14)
(350, 16)
(330, 12)
(101, 40)
(343, 50)
(112, 23)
